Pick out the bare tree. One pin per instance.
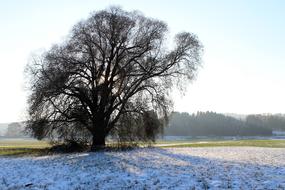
(112, 70)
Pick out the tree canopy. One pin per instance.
(111, 76)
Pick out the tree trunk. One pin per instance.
(98, 141)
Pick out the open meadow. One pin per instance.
(21, 147)
(247, 164)
(30, 147)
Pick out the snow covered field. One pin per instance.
(149, 168)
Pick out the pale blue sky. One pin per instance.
(243, 69)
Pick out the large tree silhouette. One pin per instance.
(113, 71)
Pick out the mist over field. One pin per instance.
(197, 125)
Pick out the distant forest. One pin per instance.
(215, 124)
(13, 130)
(199, 124)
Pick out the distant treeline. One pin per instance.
(199, 124)
(214, 124)
(273, 122)
(15, 130)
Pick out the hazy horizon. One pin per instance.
(242, 72)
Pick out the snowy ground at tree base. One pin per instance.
(149, 168)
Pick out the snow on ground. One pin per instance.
(149, 168)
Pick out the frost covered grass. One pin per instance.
(149, 168)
